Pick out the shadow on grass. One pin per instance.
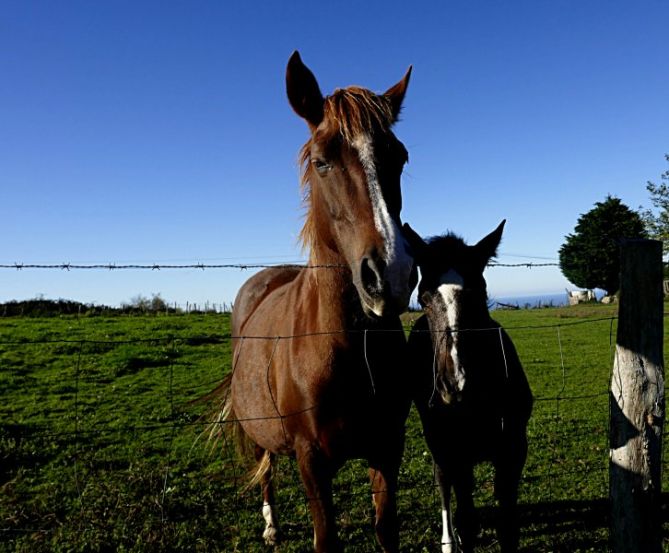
(565, 525)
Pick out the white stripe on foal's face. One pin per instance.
(398, 262)
(450, 287)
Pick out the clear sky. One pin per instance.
(159, 132)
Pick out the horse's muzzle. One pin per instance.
(379, 297)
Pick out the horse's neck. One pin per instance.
(331, 286)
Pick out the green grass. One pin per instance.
(101, 447)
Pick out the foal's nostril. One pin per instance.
(371, 276)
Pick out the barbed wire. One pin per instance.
(203, 266)
(528, 265)
(158, 266)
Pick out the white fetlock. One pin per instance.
(449, 542)
(271, 532)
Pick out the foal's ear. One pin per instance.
(416, 243)
(396, 93)
(486, 248)
(304, 94)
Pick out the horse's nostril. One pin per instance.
(371, 276)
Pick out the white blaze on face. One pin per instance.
(450, 286)
(398, 262)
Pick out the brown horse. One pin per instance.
(318, 351)
(470, 388)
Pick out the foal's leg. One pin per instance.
(316, 473)
(268, 506)
(466, 518)
(448, 541)
(508, 470)
(383, 476)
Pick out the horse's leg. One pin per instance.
(268, 506)
(466, 518)
(508, 471)
(448, 541)
(383, 475)
(317, 473)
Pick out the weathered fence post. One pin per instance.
(637, 402)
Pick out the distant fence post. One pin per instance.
(637, 402)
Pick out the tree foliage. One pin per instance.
(142, 304)
(590, 257)
(657, 223)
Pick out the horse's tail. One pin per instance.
(226, 426)
(262, 469)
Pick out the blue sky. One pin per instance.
(159, 132)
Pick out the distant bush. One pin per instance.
(142, 304)
(41, 307)
(137, 305)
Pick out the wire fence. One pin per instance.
(101, 443)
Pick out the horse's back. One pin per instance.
(256, 289)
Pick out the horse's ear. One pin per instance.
(304, 94)
(396, 93)
(486, 248)
(416, 243)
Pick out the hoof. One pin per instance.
(271, 535)
(450, 547)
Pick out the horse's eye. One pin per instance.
(321, 166)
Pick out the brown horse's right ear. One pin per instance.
(416, 243)
(304, 94)
(396, 94)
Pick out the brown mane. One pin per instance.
(347, 113)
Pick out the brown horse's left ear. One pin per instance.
(304, 94)
(486, 248)
(396, 93)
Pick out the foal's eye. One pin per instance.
(321, 166)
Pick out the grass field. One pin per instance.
(101, 448)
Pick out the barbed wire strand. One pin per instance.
(205, 266)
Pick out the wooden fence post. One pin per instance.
(637, 402)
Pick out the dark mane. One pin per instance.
(347, 113)
(446, 245)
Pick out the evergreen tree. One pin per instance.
(590, 257)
